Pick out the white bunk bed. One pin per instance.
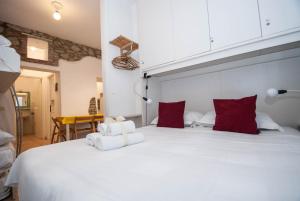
(9, 72)
(9, 64)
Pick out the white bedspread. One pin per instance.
(171, 165)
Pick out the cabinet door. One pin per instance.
(279, 15)
(233, 21)
(155, 32)
(191, 30)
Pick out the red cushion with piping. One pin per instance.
(236, 115)
(171, 114)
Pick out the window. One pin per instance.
(37, 49)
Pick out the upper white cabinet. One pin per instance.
(175, 34)
(155, 32)
(279, 15)
(233, 21)
(191, 29)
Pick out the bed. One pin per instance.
(191, 164)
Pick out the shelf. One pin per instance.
(124, 43)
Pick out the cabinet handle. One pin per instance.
(268, 23)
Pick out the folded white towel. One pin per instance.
(120, 118)
(120, 128)
(102, 128)
(4, 41)
(91, 138)
(105, 143)
(109, 120)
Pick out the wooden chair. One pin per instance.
(58, 131)
(96, 120)
(79, 128)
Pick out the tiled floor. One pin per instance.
(31, 141)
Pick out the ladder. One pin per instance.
(19, 122)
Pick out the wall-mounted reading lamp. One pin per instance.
(275, 92)
(145, 98)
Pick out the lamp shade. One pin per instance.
(272, 92)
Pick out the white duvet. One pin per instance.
(171, 165)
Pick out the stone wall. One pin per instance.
(58, 48)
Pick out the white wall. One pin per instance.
(238, 79)
(118, 18)
(79, 93)
(78, 85)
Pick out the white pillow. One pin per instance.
(190, 117)
(208, 119)
(5, 137)
(263, 121)
(154, 121)
(4, 41)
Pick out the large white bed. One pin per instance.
(191, 164)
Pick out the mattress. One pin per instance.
(171, 165)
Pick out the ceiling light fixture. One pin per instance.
(57, 7)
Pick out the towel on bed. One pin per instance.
(116, 128)
(91, 138)
(105, 143)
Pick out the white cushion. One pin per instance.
(4, 41)
(190, 117)
(5, 137)
(263, 121)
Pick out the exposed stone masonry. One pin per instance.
(58, 48)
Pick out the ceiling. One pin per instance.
(80, 21)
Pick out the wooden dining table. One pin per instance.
(69, 120)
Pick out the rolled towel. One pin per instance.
(109, 120)
(120, 118)
(105, 143)
(102, 128)
(91, 138)
(120, 128)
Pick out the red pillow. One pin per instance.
(171, 114)
(236, 115)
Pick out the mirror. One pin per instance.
(24, 99)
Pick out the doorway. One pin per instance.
(38, 92)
